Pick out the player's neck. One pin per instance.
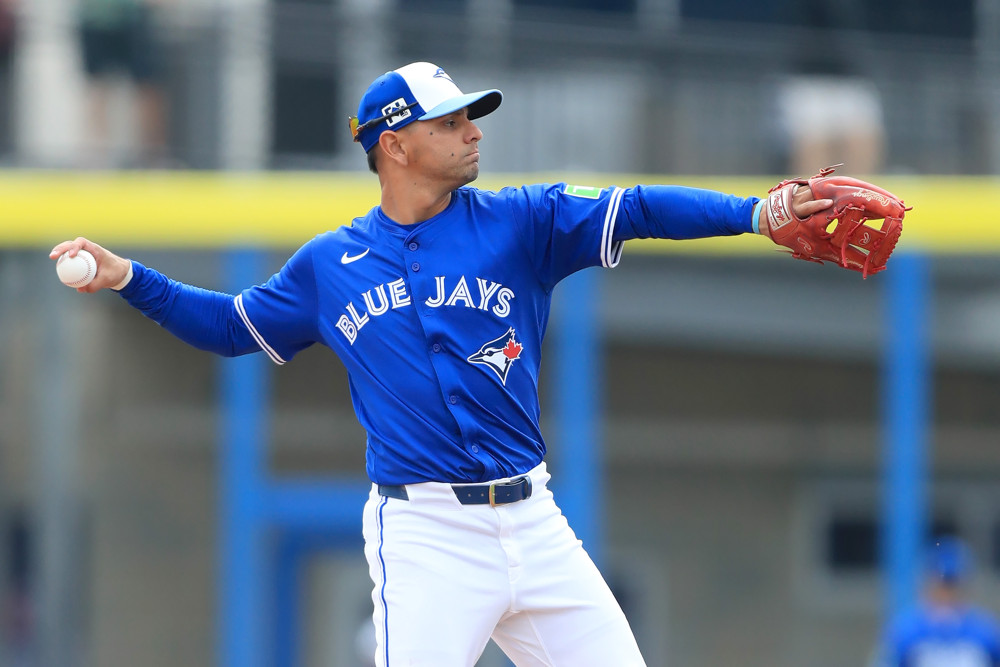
(411, 205)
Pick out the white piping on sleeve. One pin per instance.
(611, 252)
(275, 357)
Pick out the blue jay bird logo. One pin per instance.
(499, 354)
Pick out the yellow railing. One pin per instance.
(218, 209)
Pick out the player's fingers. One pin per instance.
(71, 247)
(802, 194)
(56, 252)
(807, 208)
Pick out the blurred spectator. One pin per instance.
(8, 32)
(830, 120)
(828, 113)
(120, 37)
(945, 630)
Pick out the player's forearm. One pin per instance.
(677, 212)
(202, 318)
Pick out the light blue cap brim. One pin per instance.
(479, 104)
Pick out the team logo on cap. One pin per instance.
(441, 74)
(499, 354)
(395, 106)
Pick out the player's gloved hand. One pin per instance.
(111, 269)
(825, 218)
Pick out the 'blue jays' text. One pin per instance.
(379, 300)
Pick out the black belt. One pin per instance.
(498, 493)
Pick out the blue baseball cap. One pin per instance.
(949, 560)
(418, 91)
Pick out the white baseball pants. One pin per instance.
(449, 576)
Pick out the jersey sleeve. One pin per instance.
(282, 315)
(202, 318)
(566, 227)
(678, 212)
(570, 227)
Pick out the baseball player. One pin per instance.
(944, 631)
(436, 301)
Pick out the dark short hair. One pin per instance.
(372, 164)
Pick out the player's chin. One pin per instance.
(470, 174)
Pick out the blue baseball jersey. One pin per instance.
(440, 324)
(937, 637)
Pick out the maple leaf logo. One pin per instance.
(499, 354)
(512, 350)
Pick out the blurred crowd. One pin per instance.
(137, 86)
(119, 49)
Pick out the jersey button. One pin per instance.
(414, 245)
(453, 399)
(436, 347)
(475, 449)
(415, 266)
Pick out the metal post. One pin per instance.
(906, 420)
(579, 428)
(245, 421)
(291, 551)
(244, 83)
(48, 96)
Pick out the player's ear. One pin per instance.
(392, 146)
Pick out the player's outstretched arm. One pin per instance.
(202, 318)
(111, 269)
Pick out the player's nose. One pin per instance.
(474, 133)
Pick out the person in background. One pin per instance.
(8, 35)
(119, 37)
(945, 630)
(829, 109)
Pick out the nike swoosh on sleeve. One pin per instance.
(346, 259)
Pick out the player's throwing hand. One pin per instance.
(112, 271)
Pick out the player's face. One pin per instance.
(446, 148)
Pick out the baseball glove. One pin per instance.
(850, 241)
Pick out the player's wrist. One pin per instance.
(123, 283)
(761, 221)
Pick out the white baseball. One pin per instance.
(76, 271)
